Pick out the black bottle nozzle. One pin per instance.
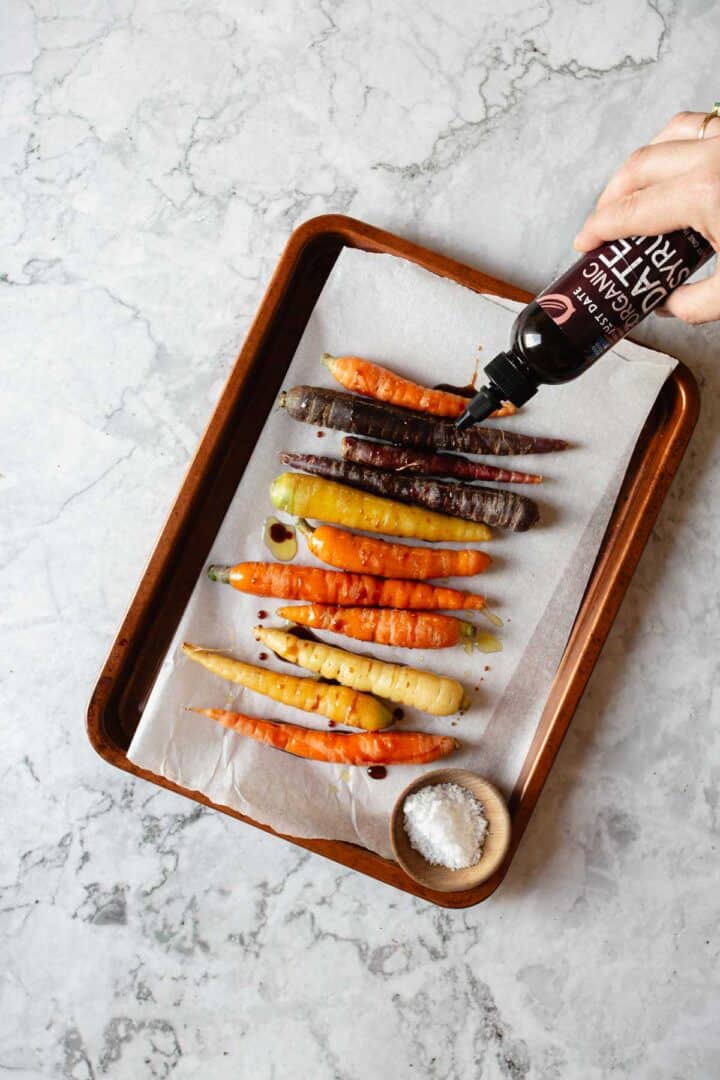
(509, 379)
(486, 401)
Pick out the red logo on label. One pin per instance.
(558, 307)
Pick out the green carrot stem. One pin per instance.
(219, 573)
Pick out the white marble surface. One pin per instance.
(153, 159)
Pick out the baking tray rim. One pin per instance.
(619, 553)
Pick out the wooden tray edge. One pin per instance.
(684, 419)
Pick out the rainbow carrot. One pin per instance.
(368, 555)
(491, 506)
(357, 748)
(387, 626)
(365, 377)
(398, 459)
(338, 703)
(377, 420)
(347, 590)
(424, 690)
(314, 497)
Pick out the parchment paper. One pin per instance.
(429, 329)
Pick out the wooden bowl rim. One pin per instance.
(441, 877)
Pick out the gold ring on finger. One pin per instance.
(714, 114)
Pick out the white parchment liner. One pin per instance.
(429, 329)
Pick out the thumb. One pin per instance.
(696, 303)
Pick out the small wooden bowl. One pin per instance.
(497, 838)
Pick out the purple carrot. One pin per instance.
(425, 463)
(493, 506)
(377, 420)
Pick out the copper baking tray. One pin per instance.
(126, 679)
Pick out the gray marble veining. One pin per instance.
(153, 159)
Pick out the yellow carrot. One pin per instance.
(338, 703)
(315, 497)
(423, 690)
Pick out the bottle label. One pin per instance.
(609, 290)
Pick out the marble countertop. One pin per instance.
(154, 158)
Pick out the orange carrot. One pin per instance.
(385, 626)
(372, 380)
(334, 587)
(366, 555)
(376, 748)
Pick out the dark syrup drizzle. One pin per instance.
(280, 533)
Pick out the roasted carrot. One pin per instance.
(435, 694)
(309, 496)
(347, 590)
(365, 377)
(367, 555)
(376, 748)
(384, 456)
(338, 703)
(491, 506)
(387, 626)
(362, 416)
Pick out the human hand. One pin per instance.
(673, 183)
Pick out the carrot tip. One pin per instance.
(491, 616)
(326, 358)
(219, 573)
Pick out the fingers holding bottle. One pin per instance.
(688, 200)
(671, 183)
(659, 162)
(696, 303)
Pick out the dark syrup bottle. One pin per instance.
(586, 311)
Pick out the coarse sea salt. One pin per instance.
(446, 824)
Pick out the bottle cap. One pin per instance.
(508, 380)
(486, 401)
(511, 378)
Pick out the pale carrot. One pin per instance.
(368, 555)
(424, 690)
(366, 748)
(375, 381)
(335, 587)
